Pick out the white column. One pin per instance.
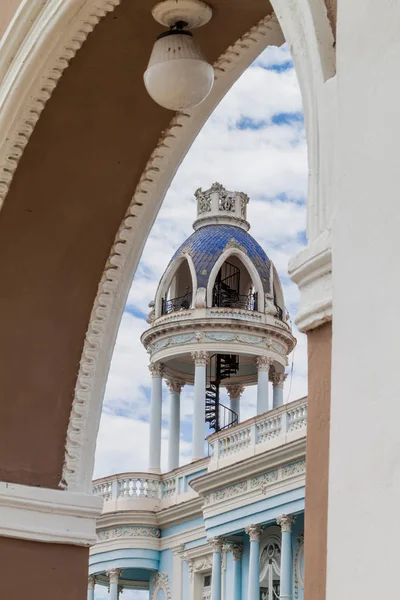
(254, 531)
(216, 578)
(113, 575)
(91, 584)
(263, 366)
(237, 551)
(235, 391)
(278, 382)
(199, 410)
(285, 522)
(175, 386)
(156, 370)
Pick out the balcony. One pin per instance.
(145, 491)
(259, 434)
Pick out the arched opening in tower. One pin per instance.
(233, 287)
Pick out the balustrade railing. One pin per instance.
(182, 303)
(264, 428)
(144, 486)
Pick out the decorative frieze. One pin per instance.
(156, 369)
(127, 532)
(199, 565)
(226, 493)
(285, 522)
(235, 391)
(200, 358)
(264, 481)
(296, 468)
(216, 337)
(254, 532)
(175, 385)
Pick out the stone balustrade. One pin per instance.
(274, 428)
(148, 490)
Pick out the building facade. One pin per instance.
(231, 523)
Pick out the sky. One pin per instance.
(253, 142)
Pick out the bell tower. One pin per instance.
(218, 320)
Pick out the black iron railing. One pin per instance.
(175, 304)
(227, 298)
(227, 417)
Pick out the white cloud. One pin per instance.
(266, 159)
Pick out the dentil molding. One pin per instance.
(45, 515)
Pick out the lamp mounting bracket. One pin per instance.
(193, 12)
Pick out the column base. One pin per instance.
(154, 471)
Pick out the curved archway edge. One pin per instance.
(29, 73)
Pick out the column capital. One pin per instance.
(237, 551)
(91, 582)
(217, 543)
(285, 522)
(175, 385)
(113, 575)
(156, 369)
(254, 532)
(200, 358)
(264, 363)
(278, 379)
(235, 390)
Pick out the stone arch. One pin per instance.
(161, 584)
(29, 77)
(168, 276)
(249, 266)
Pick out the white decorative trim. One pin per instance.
(285, 522)
(298, 575)
(311, 269)
(175, 386)
(254, 532)
(156, 369)
(127, 532)
(200, 358)
(161, 582)
(45, 515)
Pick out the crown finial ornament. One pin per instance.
(220, 206)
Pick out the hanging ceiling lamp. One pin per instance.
(178, 76)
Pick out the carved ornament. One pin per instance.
(175, 385)
(264, 363)
(254, 532)
(200, 358)
(235, 391)
(156, 369)
(285, 522)
(278, 379)
(114, 575)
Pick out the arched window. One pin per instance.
(233, 287)
(177, 288)
(270, 561)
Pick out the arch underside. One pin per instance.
(100, 141)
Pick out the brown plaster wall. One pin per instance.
(43, 571)
(318, 420)
(68, 197)
(8, 9)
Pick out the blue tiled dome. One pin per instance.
(206, 245)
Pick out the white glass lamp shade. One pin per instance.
(178, 77)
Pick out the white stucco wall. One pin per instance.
(364, 490)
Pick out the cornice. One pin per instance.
(249, 467)
(45, 515)
(179, 513)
